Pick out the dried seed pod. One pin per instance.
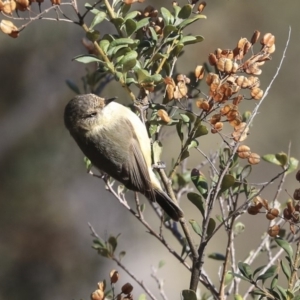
(212, 59)
(297, 194)
(205, 106)
(9, 28)
(298, 175)
(225, 109)
(256, 93)
(243, 82)
(253, 159)
(164, 115)
(268, 40)
(252, 68)
(237, 100)
(215, 118)
(101, 285)
(247, 46)
(201, 7)
(199, 72)
(271, 49)
(243, 151)
(8, 7)
(97, 295)
(286, 214)
(272, 214)
(127, 288)
(255, 37)
(254, 81)
(274, 230)
(114, 276)
(252, 210)
(224, 64)
(241, 43)
(218, 126)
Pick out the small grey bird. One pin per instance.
(116, 142)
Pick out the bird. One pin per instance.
(116, 142)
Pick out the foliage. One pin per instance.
(142, 56)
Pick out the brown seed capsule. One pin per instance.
(272, 214)
(253, 159)
(205, 106)
(286, 214)
(243, 82)
(252, 210)
(127, 288)
(215, 118)
(268, 40)
(298, 175)
(7, 27)
(297, 194)
(243, 151)
(254, 82)
(101, 285)
(114, 276)
(97, 295)
(256, 93)
(199, 72)
(164, 115)
(255, 37)
(201, 7)
(212, 59)
(237, 100)
(241, 43)
(218, 126)
(274, 230)
(271, 49)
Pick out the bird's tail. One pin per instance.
(167, 204)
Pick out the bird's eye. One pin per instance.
(91, 115)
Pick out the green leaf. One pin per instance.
(93, 35)
(245, 269)
(193, 144)
(282, 158)
(142, 297)
(71, 84)
(184, 155)
(185, 118)
(239, 228)
(269, 273)
(185, 11)
(142, 23)
(88, 6)
(157, 150)
(130, 26)
(104, 44)
(122, 41)
(118, 22)
(161, 264)
(238, 297)
(87, 58)
(121, 255)
(189, 39)
(258, 270)
(113, 242)
(211, 227)
(201, 130)
(217, 256)
(153, 34)
(285, 246)
(196, 227)
(293, 165)
(245, 172)
(128, 61)
(228, 277)
(282, 291)
(99, 17)
(131, 15)
(274, 282)
(167, 16)
(180, 130)
(188, 295)
(197, 201)
(286, 270)
(190, 21)
(169, 29)
(227, 182)
(271, 158)
(200, 182)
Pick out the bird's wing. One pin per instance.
(136, 168)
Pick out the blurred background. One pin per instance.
(46, 196)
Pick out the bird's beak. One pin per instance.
(107, 101)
